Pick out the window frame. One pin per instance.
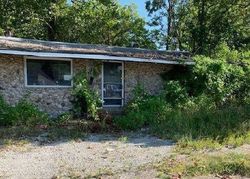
(123, 83)
(49, 59)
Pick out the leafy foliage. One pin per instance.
(175, 93)
(225, 75)
(141, 110)
(210, 103)
(200, 26)
(222, 77)
(32, 19)
(106, 23)
(23, 113)
(85, 100)
(92, 22)
(4, 113)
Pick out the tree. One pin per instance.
(163, 11)
(201, 25)
(105, 22)
(31, 18)
(94, 22)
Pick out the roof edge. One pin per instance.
(16, 39)
(94, 57)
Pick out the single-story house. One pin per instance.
(42, 71)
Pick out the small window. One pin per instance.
(48, 72)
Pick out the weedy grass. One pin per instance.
(17, 135)
(189, 145)
(123, 139)
(205, 129)
(229, 164)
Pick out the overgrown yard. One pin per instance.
(205, 111)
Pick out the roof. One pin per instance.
(39, 48)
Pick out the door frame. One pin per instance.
(122, 63)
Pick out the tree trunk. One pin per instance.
(202, 28)
(52, 30)
(170, 25)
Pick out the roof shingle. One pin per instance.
(29, 45)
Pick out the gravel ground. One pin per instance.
(98, 155)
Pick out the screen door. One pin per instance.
(112, 84)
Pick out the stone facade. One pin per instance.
(146, 74)
(57, 100)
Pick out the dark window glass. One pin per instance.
(113, 102)
(48, 72)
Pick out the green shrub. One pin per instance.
(4, 113)
(175, 94)
(225, 75)
(141, 111)
(85, 100)
(23, 113)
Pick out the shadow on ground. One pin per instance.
(56, 135)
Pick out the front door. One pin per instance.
(112, 85)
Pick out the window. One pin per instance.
(112, 84)
(41, 72)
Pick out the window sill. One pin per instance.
(45, 86)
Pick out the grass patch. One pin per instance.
(20, 136)
(205, 129)
(101, 173)
(189, 145)
(230, 164)
(123, 139)
(73, 130)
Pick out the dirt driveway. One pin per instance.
(97, 156)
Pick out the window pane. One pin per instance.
(112, 91)
(113, 73)
(111, 102)
(48, 72)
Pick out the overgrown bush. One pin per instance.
(23, 113)
(86, 101)
(141, 110)
(224, 77)
(209, 101)
(175, 93)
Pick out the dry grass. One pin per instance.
(204, 165)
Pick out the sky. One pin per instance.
(140, 6)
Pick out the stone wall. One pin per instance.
(57, 100)
(12, 86)
(146, 74)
